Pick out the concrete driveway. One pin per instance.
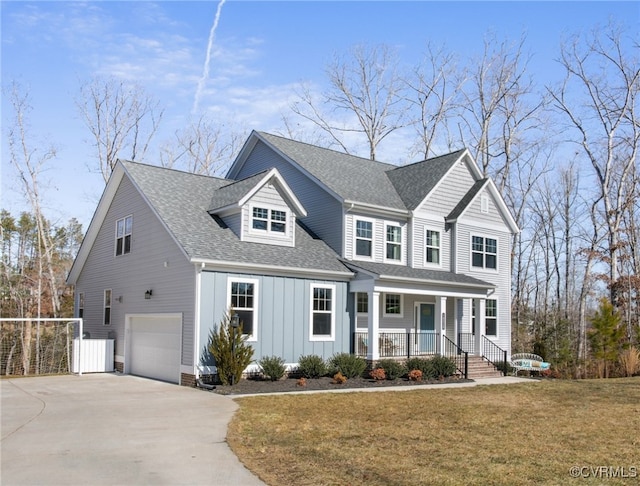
(115, 429)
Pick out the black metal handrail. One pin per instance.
(467, 342)
(495, 355)
(458, 355)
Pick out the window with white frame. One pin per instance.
(124, 229)
(362, 302)
(364, 238)
(393, 242)
(322, 312)
(490, 319)
(432, 247)
(270, 220)
(484, 252)
(243, 299)
(81, 305)
(393, 305)
(107, 308)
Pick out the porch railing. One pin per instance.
(458, 355)
(495, 355)
(398, 344)
(467, 342)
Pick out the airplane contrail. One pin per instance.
(205, 72)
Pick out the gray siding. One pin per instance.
(379, 237)
(420, 227)
(268, 197)
(283, 315)
(155, 262)
(324, 211)
(451, 189)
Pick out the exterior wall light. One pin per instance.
(148, 294)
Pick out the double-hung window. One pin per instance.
(364, 238)
(490, 317)
(271, 220)
(393, 305)
(432, 247)
(484, 252)
(394, 243)
(124, 228)
(106, 320)
(322, 312)
(243, 299)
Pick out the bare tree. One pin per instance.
(202, 147)
(122, 119)
(599, 101)
(364, 85)
(432, 90)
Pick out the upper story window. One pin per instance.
(364, 238)
(432, 247)
(393, 243)
(484, 252)
(322, 313)
(272, 220)
(123, 235)
(243, 299)
(107, 308)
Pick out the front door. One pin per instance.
(425, 325)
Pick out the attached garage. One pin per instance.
(153, 347)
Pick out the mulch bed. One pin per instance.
(257, 385)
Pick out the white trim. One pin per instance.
(288, 193)
(424, 247)
(354, 229)
(124, 234)
(497, 318)
(195, 369)
(402, 245)
(484, 203)
(277, 270)
(483, 268)
(312, 336)
(358, 313)
(289, 221)
(384, 305)
(253, 337)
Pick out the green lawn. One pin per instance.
(520, 434)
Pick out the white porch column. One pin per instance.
(441, 321)
(481, 314)
(373, 321)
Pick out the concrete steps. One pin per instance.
(481, 368)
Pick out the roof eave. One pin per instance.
(271, 269)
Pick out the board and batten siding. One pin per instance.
(323, 210)
(284, 309)
(155, 263)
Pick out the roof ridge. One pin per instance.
(171, 169)
(430, 159)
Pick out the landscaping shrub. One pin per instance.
(378, 374)
(312, 366)
(421, 364)
(230, 350)
(442, 366)
(415, 375)
(392, 368)
(349, 365)
(272, 367)
(339, 378)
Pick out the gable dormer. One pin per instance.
(259, 209)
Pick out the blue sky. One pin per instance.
(262, 50)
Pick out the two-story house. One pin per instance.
(318, 252)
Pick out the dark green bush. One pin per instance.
(349, 365)
(392, 368)
(422, 364)
(442, 366)
(272, 367)
(312, 366)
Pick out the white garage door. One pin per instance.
(155, 347)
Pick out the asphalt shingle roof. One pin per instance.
(466, 199)
(427, 275)
(182, 201)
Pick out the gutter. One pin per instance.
(272, 269)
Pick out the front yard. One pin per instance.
(549, 432)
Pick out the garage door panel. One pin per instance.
(155, 347)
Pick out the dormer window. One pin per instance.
(271, 220)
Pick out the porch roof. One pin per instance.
(402, 273)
